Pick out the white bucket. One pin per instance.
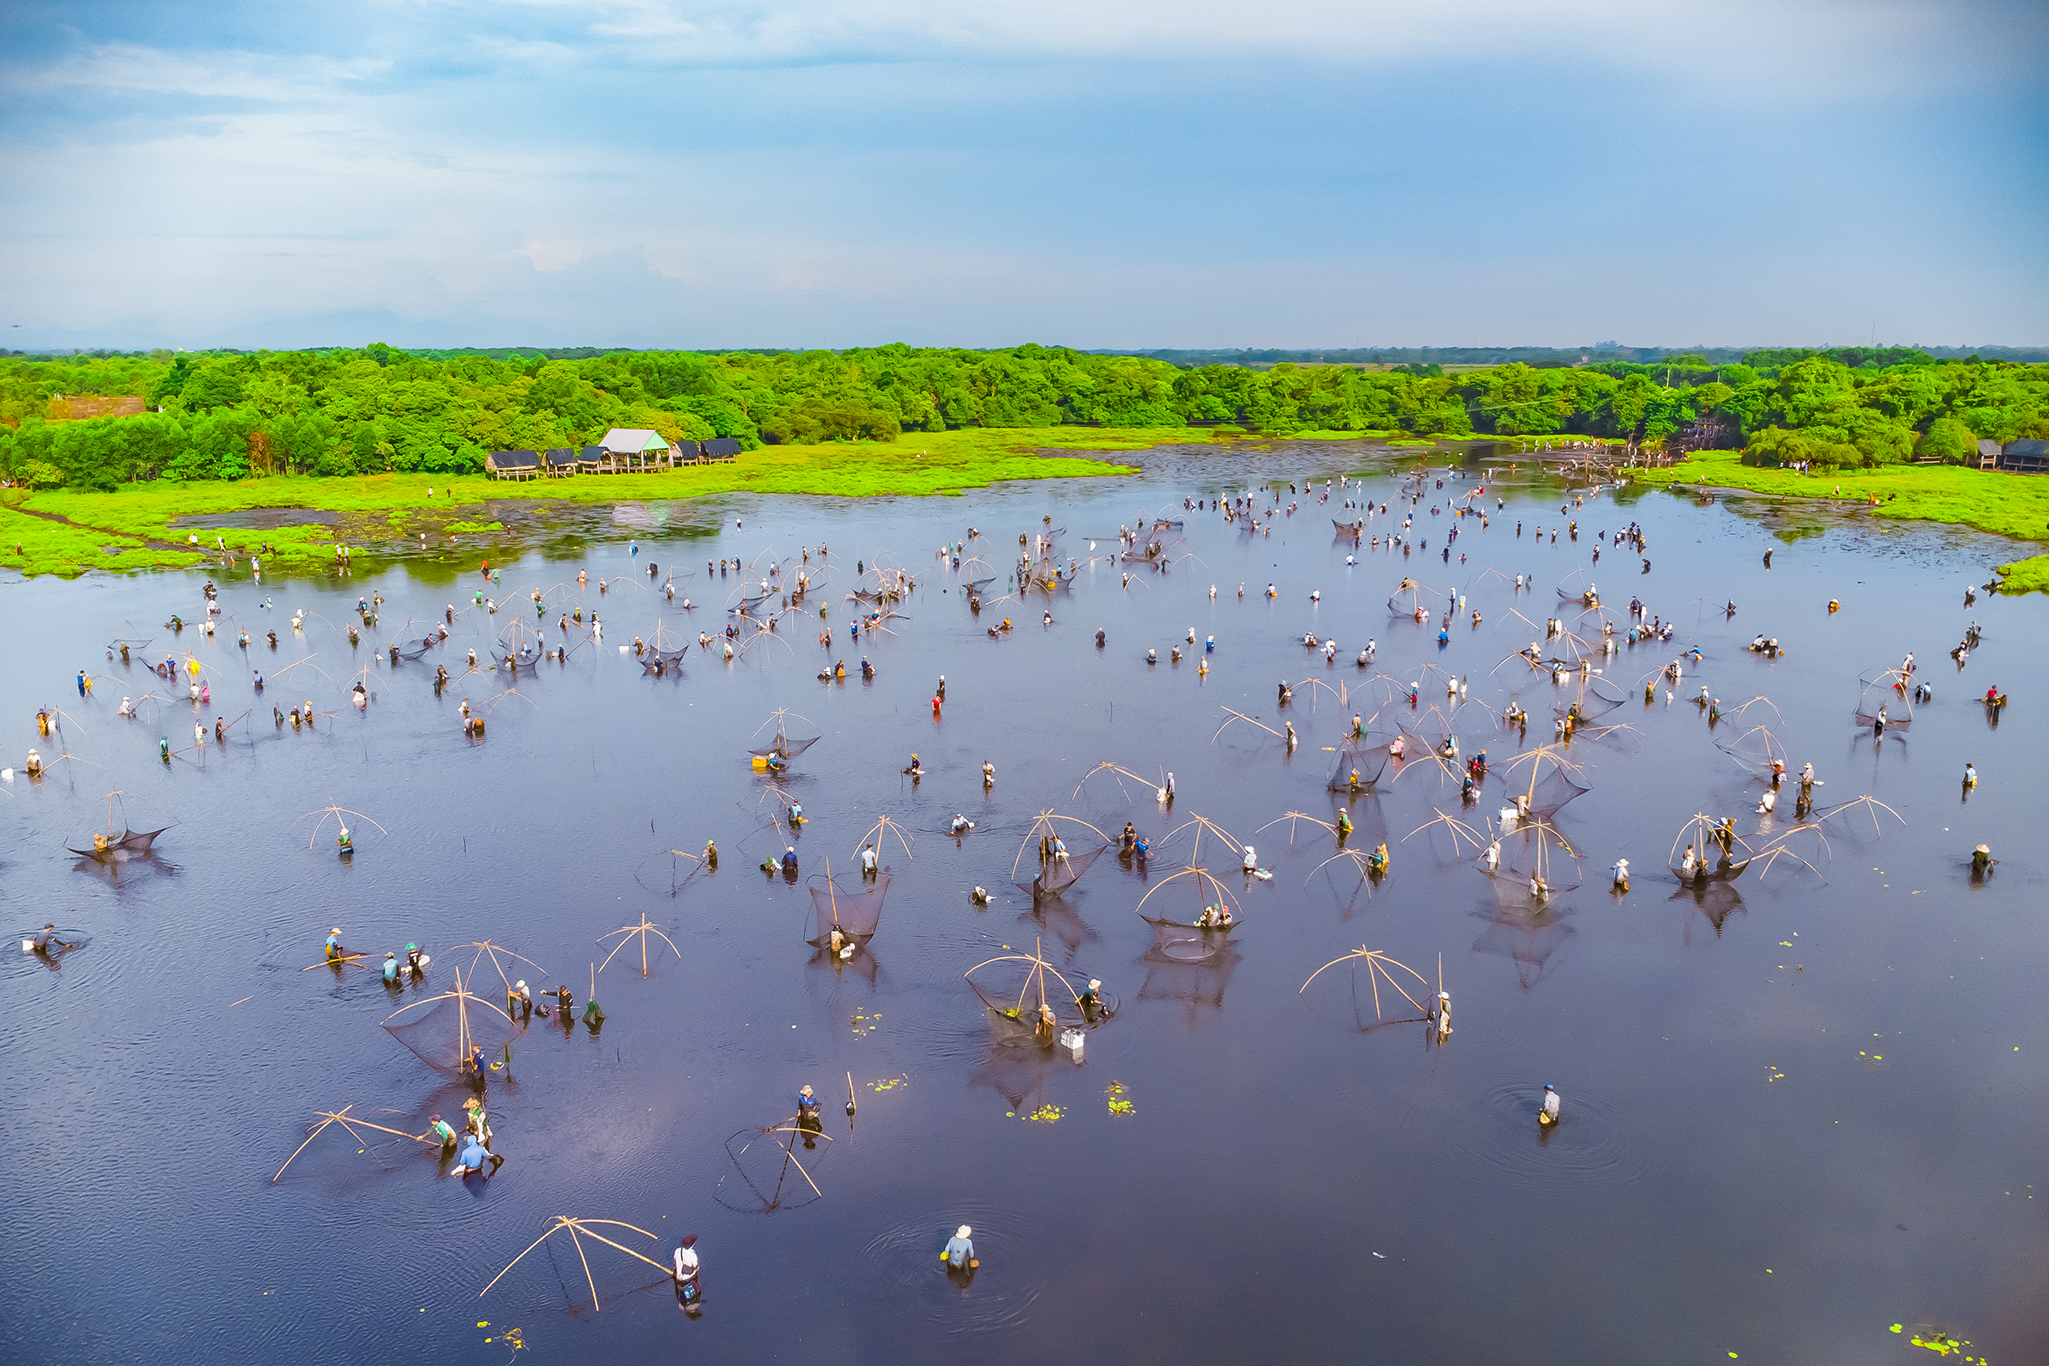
(28, 946)
(622, 649)
(1509, 817)
(1073, 1041)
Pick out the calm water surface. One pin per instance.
(1794, 1115)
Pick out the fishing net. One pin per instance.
(785, 747)
(1755, 751)
(1352, 530)
(1885, 689)
(1413, 597)
(1531, 936)
(855, 913)
(1703, 874)
(1056, 875)
(1715, 900)
(1600, 695)
(773, 1169)
(1547, 796)
(661, 663)
(1174, 942)
(750, 603)
(1358, 765)
(132, 844)
(1197, 983)
(442, 1034)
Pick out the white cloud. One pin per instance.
(130, 68)
(1831, 44)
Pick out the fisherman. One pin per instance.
(1981, 862)
(46, 941)
(416, 962)
(565, 1005)
(914, 768)
(1549, 1114)
(1440, 1011)
(790, 859)
(335, 949)
(686, 1269)
(518, 1001)
(711, 856)
(472, 1158)
(440, 1130)
(33, 765)
(1767, 802)
(1089, 1000)
(960, 826)
(390, 969)
(868, 860)
(1970, 776)
(807, 1108)
(1621, 872)
(1376, 862)
(1250, 862)
(960, 1250)
(988, 774)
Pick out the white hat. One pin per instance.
(337, 929)
(520, 985)
(1095, 983)
(963, 1231)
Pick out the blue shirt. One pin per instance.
(473, 1155)
(959, 1252)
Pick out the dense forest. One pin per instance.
(225, 415)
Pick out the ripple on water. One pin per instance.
(1498, 1135)
(997, 1297)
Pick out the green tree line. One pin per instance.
(337, 412)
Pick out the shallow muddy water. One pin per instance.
(1796, 1111)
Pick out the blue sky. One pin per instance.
(1096, 173)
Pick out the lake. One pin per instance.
(1797, 1109)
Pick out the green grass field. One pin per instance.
(922, 464)
(2015, 505)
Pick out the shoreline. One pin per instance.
(70, 533)
(2012, 505)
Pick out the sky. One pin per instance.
(1090, 173)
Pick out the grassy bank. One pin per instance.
(132, 528)
(1986, 500)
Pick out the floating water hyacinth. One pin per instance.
(1046, 1114)
(1939, 1342)
(1118, 1105)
